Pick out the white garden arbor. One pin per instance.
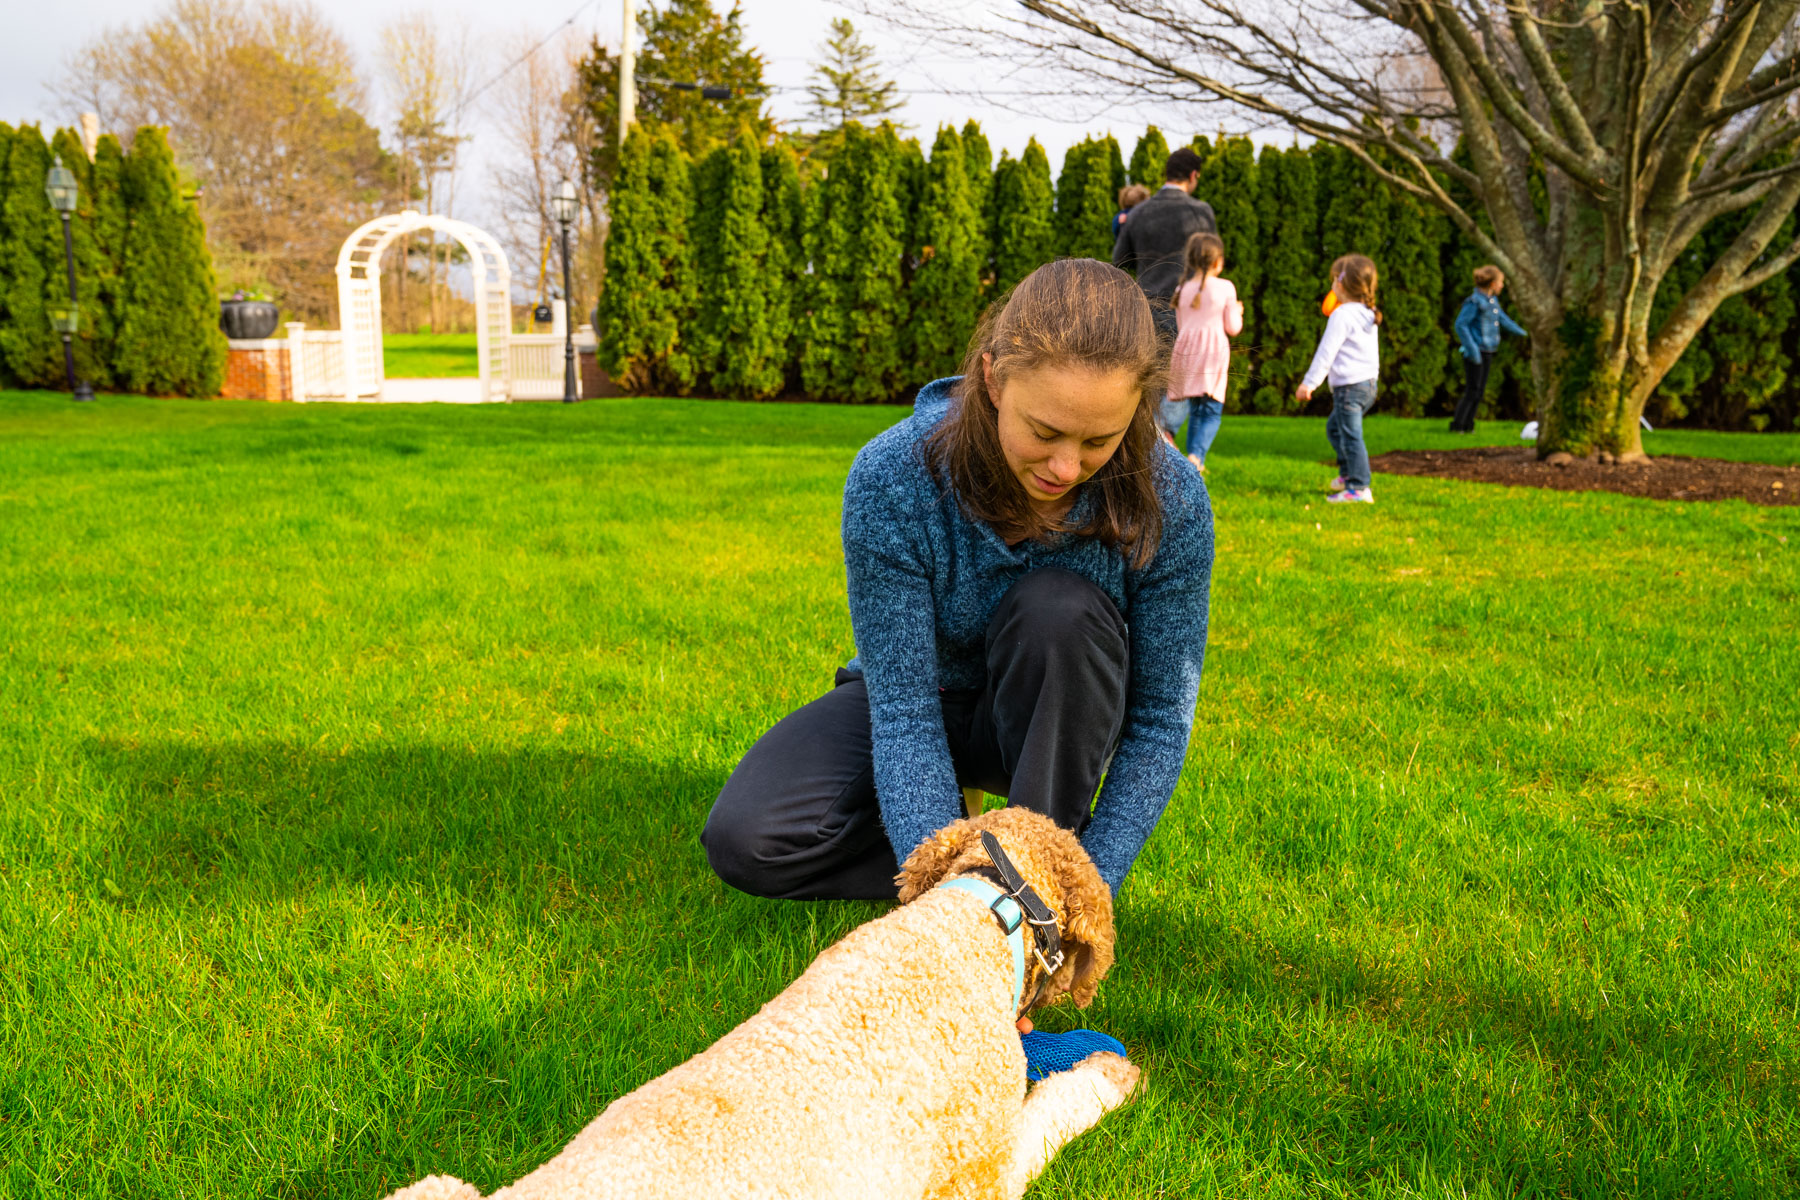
(359, 301)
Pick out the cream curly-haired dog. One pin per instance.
(891, 1068)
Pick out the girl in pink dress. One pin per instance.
(1207, 313)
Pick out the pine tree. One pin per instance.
(1229, 181)
(1086, 200)
(946, 284)
(31, 273)
(168, 340)
(684, 40)
(855, 240)
(784, 216)
(1024, 216)
(1149, 158)
(1288, 317)
(847, 83)
(735, 342)
(649, 288)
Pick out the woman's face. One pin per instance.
(1059, 424)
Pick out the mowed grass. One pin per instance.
(429, 355)
(352, 758)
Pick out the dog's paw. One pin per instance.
(438, 1187)
(1121, 1073)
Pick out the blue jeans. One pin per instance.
(1202, 415)
(1344, 428)
(1203, 425)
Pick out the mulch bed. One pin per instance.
(1667, 477)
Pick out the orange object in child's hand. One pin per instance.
(1331, 302)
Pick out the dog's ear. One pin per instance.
(930, 862)
(1087, 931)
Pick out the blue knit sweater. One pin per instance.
(923, 581)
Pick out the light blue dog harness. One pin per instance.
(1011, 916)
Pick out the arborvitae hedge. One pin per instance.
(856, 237)
(978, 165)
(740, 339)
(874, 312)
(168, 322)
(1287, 306)
(784, 215)
(949, 250)
(98, 232)
(649, 271)
(1229, 182)
(1023, 216)
(32, 277)
(1086, 199)
(1148, 159)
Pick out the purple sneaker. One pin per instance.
(1351, 496)
(1337, 484)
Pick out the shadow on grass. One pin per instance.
(271, 819)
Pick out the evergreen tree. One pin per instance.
(1024, 217)
(99, 218)
(736, 342)
(1229, 181)
(168, 336)
(1086, 200)
(1116, 175)
(784, 216)
(31, 271)
(979, 158)
(685, 41)
(1149, 158)
(847, 84)
(1288, 319)
(946, 284)
(1414, 338)
(649, 289)
(1734, 371)
(855, 239)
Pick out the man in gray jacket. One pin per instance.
(1154, 236)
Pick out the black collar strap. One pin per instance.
(1046, 938)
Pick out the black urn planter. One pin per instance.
(248, 319)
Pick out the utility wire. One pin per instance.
(511, 66)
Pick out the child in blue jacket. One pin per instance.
(1478, 328)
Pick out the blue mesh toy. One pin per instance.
(1047, 1053)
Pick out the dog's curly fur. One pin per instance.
(891, 1068)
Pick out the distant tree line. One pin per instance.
(753, 272)
(149, 315)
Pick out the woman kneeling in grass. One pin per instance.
(1028, 568)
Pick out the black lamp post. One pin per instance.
(60, 187)
(564, 206)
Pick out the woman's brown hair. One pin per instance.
(1076, 312)
(1203, 252)
(1354, 278)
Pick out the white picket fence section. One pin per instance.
(536, 370)
(315, 362)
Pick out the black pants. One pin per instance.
(1475, 375)
(798, 818)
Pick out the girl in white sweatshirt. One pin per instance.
(1349, 358)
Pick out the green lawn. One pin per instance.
(429, 355)
(351, 761)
